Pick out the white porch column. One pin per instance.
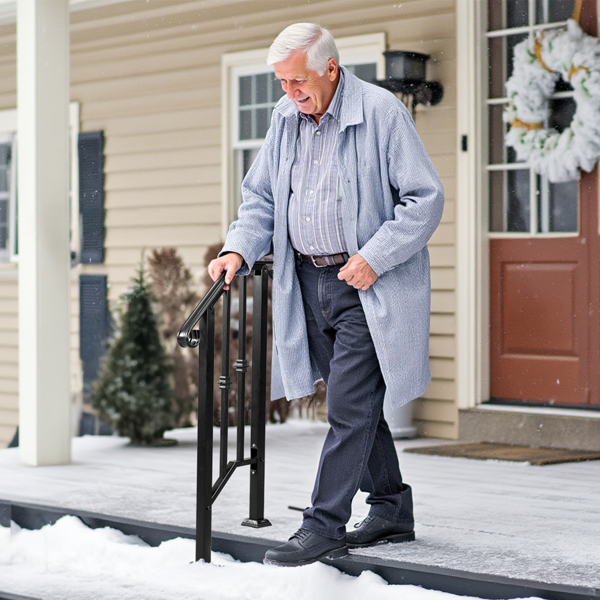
(43, 184)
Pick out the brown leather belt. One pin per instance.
(329, 260)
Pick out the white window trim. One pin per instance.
(8, 126)
(358, 49)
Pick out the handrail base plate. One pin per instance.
(256, 523)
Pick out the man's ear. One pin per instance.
(332, 69)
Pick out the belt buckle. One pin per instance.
(312, 258)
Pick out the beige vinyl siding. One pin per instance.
(9, 348)
(149, 76)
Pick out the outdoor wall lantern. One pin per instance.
(405, 75)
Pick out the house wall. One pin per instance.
(148, 75)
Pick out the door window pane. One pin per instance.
(509, 201)
(497, 129)
(557, 206)
(500, 56)
(517, 191)
(517, 13)
(553, 11)
(504, 14)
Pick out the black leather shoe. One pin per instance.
(304, 548)
(375, 530)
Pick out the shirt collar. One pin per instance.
(333, 110)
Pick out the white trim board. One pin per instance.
(471, 345)
(542, 410)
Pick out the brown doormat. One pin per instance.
(485, 451)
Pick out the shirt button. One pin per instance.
(312, 191)
(316, 162)
(312, 247)
(308, 218)
(318, 133)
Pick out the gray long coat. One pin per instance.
(392, 203)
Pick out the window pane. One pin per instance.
(262, 122)
(3, 178)
(511, 42)
(508, 13)
(500, 56)
(245, 124)
(517, 13)
(4, 154)
(5, 150)
(246, 90)
(509, 201)
(557, 206)
(366, 72)
(243, 162)
(276, 90)
(497, 200)
(3, 224)
(495, 15)
(517, 188)
(551, 11)
(249, 157)
(497, 128)
(262, 83)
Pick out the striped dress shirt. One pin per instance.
(315, 207)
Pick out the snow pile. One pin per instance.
(68, 560)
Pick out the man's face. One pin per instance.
(310, 91)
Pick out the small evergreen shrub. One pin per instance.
(133, 392)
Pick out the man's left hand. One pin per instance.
(357, 273)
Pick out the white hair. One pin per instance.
(316, 41)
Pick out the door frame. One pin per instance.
(472, 207)
(472, 247)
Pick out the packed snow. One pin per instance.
(70, 561)
(488, 517)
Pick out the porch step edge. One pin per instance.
(534, 429)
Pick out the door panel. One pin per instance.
(539, 331)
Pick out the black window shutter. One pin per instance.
(91, 196)
(94, 327)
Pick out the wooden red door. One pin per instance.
(544, 260)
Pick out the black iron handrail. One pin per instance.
(204, 338)
(185, 338)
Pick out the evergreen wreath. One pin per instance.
(537, 65)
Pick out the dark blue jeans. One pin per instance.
(358, 451)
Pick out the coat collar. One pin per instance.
(351, 109)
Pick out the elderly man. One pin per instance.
(346, 194)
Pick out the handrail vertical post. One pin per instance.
(225, 382)
(259, 391)
(206, 361)
(241, 366)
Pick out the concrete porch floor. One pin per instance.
(494, 518)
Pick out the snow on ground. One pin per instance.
(69, 561)
(490, 517)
